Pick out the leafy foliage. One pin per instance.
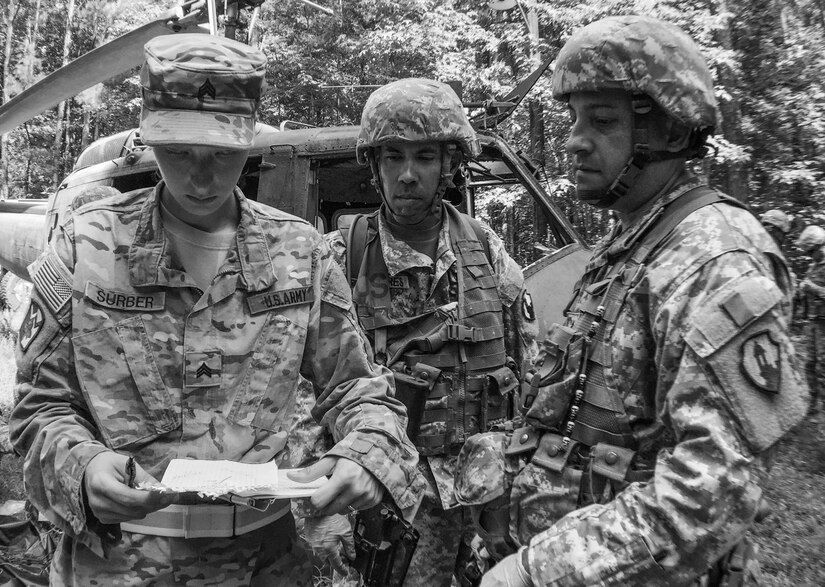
(766, 56)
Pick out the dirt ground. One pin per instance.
(791, 540)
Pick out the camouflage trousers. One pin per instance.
(815, 360)
(267, 557)
(443, 546)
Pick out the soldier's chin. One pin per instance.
(595, 198)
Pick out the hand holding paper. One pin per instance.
(350, 486)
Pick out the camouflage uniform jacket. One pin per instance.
(121, 351)
(681, 354)
(427, 287)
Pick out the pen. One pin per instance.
(238, 500)
(131, 471)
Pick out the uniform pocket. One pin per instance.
(123, 387)
(543, 492)
(266, 398)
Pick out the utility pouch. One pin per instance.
(561, 344)
(384, 545)
(412, 391)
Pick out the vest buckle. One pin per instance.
(461, 333)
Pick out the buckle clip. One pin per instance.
(461, 333)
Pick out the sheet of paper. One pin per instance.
(215, 478)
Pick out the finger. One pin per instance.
(312, 472)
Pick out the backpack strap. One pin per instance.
(354, 232)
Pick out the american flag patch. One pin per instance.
(52, 281)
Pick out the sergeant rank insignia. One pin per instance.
(761, 362)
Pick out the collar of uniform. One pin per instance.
(618, 241)
(399, 256)
(149, 261)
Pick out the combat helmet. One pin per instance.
(811, 238)
(776, 218)
(416, 110)
(656, 63)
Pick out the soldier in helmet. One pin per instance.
(652, 410)
(442, 302)
(778, 225)
(177, 321)
(811, 242)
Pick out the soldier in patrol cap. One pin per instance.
(441, 300)
(176, 322)
(811, 242)
(652, 411)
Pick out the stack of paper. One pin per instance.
(216, 478)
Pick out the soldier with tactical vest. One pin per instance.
(177, 322)
(651, 413)
(442, 302)
(811, 242)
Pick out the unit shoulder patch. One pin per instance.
(761, 361)
(31, 326)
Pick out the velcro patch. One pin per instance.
(203, 369)
(275, 300)
(761, 361)
(53, 280)
(129, 301)
(399, 282)
(31, 326)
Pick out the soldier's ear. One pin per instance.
(678, 136)
(456, 157)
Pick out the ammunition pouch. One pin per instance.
(412, 390)
(384, 545)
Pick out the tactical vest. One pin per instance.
(570, 393)
(450, 366)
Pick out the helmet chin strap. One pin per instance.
(642, 155)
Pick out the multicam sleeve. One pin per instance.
(50, 424)
(355, 396)
(727, 388)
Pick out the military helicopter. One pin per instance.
(308, 172)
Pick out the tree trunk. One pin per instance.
(737, 173)
(61, 108)
(4, 139)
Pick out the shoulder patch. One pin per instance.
(31, 326)
(761, 361)
(53, 280)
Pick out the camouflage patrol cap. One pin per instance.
(415, 110)
(639, 54)
(778, 219)
(200, 90)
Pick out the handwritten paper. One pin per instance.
(216, 478)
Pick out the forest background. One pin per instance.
(767, 59)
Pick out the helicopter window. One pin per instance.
(344, 187)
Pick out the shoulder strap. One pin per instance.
(355, 235)
(673, 214)
(481, 235)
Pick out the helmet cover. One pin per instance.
(640, 55)
(811, 238)
(415, 110)
(777, 218)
